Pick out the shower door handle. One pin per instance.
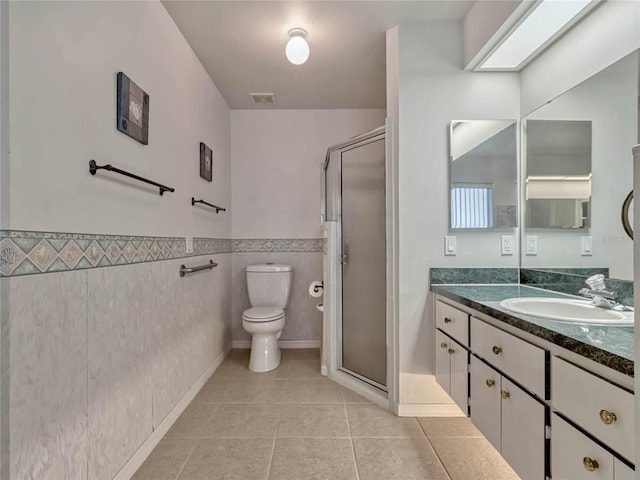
(345, 255)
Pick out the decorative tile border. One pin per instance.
(441, 276)
(297, 245)
(29, 252)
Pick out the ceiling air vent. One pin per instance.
(263, 98)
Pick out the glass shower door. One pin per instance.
(363, 227)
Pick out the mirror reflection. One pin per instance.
(558, 173)
(586, 232)
(483, 174)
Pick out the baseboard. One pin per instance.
(281, 343)
(138, 458)
(429, 410)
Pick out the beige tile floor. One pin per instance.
(294, 424)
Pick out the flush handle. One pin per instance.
(496, 349)
(607, 417)
(590, 464)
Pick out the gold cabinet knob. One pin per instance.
(496, 349)
(443, 345)
(447, 320)
(590, 464)
(607, 417)
(490, 382)
(451, 351)
(504, 394)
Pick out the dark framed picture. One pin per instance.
(206, 162)
(132, 110)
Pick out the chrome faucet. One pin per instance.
(602, 297)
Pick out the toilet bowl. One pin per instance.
(268, 286)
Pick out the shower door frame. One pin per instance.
(368, 388)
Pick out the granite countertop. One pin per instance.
(608, 345)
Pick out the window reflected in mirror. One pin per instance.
(483, 174)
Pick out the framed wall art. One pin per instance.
(206, 162)
(132, 111)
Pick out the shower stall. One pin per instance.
(356, 329)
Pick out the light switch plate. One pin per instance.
(450, 247)
(506, 245)
(586, 248)
(189, 244)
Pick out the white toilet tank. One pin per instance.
(269, 284)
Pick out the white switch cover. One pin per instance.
(532, 245)
(450, 245)
(506, 245)
(586, 249)
(189, 243)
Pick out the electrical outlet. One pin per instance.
(586, 249)
(189, 243)
(532, 245)
(506, 245)
(450, 247)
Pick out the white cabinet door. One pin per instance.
(621, 471)
(459, 377)
(523, 422)
(443, 367)
(485, 400)
(576, 457)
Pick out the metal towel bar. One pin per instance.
(218, 209)
(184, 270)
(93, 168)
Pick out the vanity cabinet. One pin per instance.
(574, 456)
(452, 362)
(452, 356)
(510, 418)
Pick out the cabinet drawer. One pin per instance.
(576, 457)
(621, 471)
(603, 409)
(453, 321)
(519, 359)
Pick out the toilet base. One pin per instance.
(265, 352)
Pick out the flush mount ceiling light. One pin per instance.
(297, 49)
(544, 23)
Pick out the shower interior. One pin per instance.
(355, 326)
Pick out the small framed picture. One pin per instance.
(206, 162)
(132, 109)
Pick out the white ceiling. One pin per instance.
(241, 45)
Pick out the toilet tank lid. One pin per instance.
(269, 267)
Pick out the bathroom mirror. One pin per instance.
(600, 117)
(558, 173)
(483, 174)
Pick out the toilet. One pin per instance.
(269, 286)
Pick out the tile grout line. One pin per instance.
(275, 437)
(195, 445)
(435, 452)
(353, 448)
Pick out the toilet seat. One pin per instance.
(262, 314)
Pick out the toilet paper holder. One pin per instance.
(317, 287)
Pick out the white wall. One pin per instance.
(433, 90)
(608, 100)
(103, 359)
(64, 60)
(276, 172)
(276, 167)
(609, 33)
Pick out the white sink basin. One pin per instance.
(566, 309)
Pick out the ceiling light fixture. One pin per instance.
(543, 24)
(297, 49)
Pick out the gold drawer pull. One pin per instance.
(490, 382)
(451, 351)
(496, 349)
(447, 320)
(504, 394)
(443, 345)
(590, 464)
(607, 417)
